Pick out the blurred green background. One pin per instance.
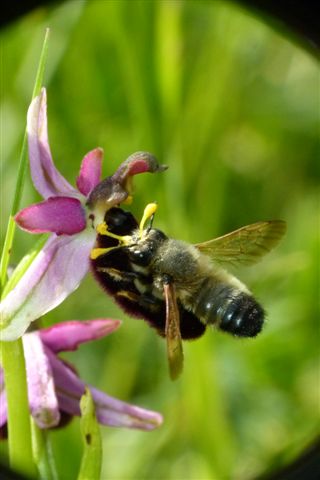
(232, 107)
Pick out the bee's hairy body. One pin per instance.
(206, 294)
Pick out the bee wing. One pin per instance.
(173, 335)
(246, 245)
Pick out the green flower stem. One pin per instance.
(12, 357)
(42, 452)
(19, 432)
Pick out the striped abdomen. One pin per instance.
(228, 308)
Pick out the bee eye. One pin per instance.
(141, 256)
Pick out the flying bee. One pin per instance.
(177, 287)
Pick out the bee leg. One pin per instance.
(133, 297)
(118, 275)
(149, 212)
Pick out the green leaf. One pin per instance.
(92, 454)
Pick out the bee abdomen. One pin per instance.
(230, 310)
(243, 316)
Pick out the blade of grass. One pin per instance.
(19, 432)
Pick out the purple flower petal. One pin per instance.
(46, 178)
(90, 171)
(3, 401)
(110, 411)
(115, 413)
(60, 215)
(53, 275)
(3, 409)
(68, 336)
(43, 401)
(68, 403)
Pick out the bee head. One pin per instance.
(144, 249)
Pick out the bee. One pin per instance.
(179, 288)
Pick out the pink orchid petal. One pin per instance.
(110, 411)
(43, 401)
(90, 171)
(3, 401)
(3, 409)
(69, 404)
(68, 336)
(53, 275)
(46, 178)
(60, 215)
(115, 413)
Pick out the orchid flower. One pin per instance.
(70, 215)
(54, 389)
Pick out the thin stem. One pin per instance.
(5, 257)
(42, 452)
(19, 432)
